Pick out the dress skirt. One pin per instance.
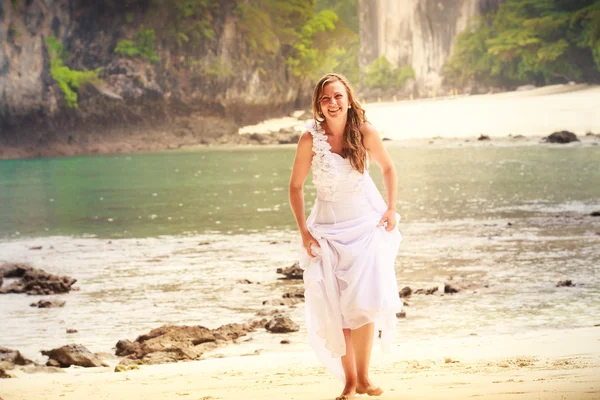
(351, 281)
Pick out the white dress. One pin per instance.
(351, 281)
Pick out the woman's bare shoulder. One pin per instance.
(368, 130)
(306, 137)
(305, 143)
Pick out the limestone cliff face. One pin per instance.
(132, 89)
(25, 80)
(420, 33)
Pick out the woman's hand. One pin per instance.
(390, 218)
(307, 241)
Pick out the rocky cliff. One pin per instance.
(419, 33)
(216, 79)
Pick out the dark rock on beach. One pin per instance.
(483, 137)
(4, 375)
(10, 358)
(561, 137)
(48, 303)
(405, 292)
(34, 281)
(266, 313)
(173, 343)
(231, 331)
(281, 324)
(72, 354)
(565, 283)
(450, 289)
(427, 291)
(287, 301)
(294, 293)
(595, 213)
(293, 272)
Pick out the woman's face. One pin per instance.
(334, 100)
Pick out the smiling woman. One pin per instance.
(350, 238)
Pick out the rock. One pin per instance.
(126, 347)
(244, 281)
(566, 283)
(427, 291)
(265, 313)
(231, 331)
(11, 270)
(176, 343)
(55, 303)
(69, 331)
(281, 324)
(73, 354)
(483, 137)
(401, 314)
(9, 358)
(595, 213)
(283, 301)
(258, 323)
(294, 293)
(285, 341)
(4, 375)
(53, 364)
(405, 292)
(36, 247)
(34, 281)
(123, 368)
(293, 272)
(562, 137)
(450, 289)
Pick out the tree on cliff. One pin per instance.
(529, 41)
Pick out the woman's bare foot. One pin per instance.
(348, 393)
(369, 388)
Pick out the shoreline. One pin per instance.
(534, 114)
(547, 364)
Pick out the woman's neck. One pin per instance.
(336, 127)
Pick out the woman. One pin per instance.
(350, 239)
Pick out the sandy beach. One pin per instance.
(537, 112)
(558, 364)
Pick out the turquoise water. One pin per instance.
(168, 238)
(245, 190)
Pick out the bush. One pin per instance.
(143, 46)
(68, 80)
(382, 74)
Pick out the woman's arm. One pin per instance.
(300, 170)
(381, 157)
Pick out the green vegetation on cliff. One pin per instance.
(529, 41)
(69, 81)
(187, 22)
(382, 74)
(310, 35)
(143, 46)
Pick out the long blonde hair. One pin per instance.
(353, 147)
